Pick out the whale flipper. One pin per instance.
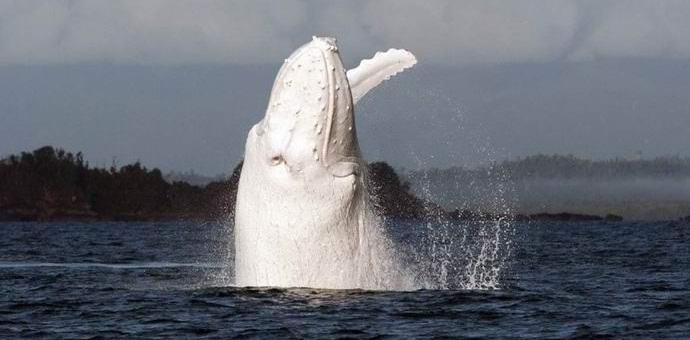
(372, 72)
(344, 169)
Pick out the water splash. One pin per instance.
(450, 254)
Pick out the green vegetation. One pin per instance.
(51, 183)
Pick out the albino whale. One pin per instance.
(303, 215)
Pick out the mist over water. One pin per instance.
(635, 198)
(615, 190)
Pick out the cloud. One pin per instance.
(645, 29)
(249, 32)
(452, 32)
(152, 31)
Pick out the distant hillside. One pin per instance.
(638, 189)
(562, 167)
(568, 167)
(191, 178)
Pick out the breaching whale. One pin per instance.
(303, 217)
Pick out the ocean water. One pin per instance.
(163, 280)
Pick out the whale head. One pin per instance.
(309, 124)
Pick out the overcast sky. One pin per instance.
(177, 84)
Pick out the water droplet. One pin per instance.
(349, 128)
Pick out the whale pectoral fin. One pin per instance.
(372, 72)
(344, 169)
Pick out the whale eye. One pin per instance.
(275, 160)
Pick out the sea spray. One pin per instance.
(471, 253)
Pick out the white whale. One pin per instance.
(303, 216)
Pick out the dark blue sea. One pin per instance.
(174, 280)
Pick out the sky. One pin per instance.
(177, 84)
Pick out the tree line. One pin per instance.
(565, 167)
